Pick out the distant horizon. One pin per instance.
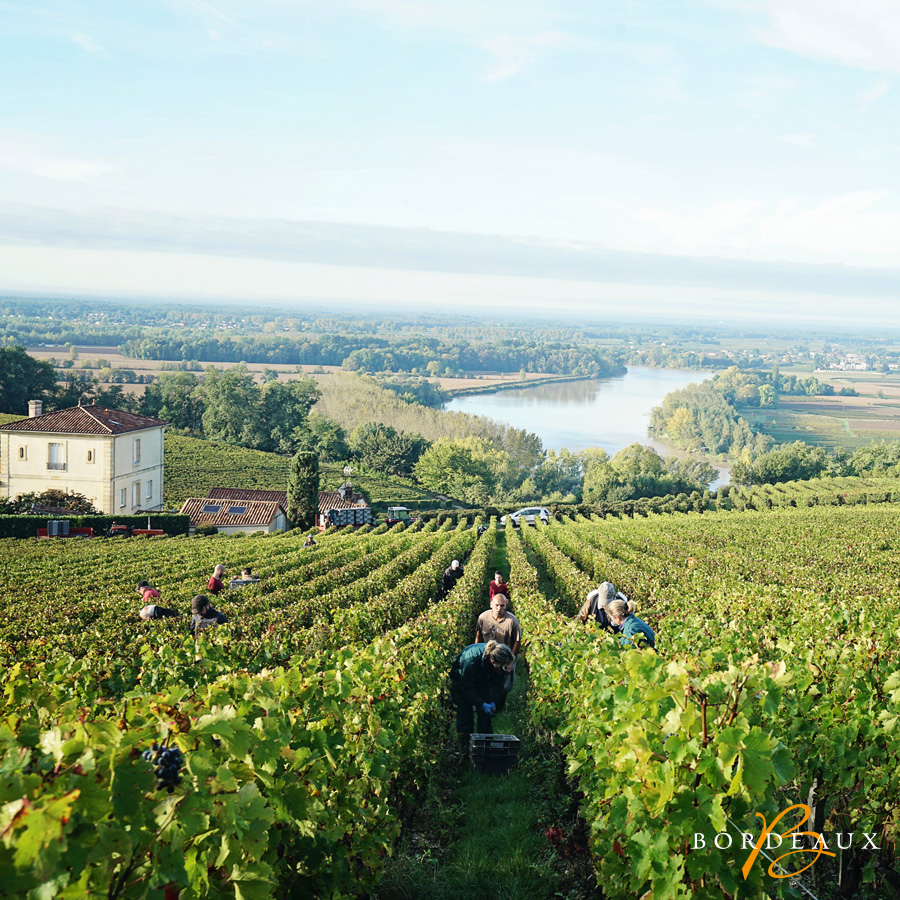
(782, 329)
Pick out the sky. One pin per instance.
(645, 157)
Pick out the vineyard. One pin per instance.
(306, 725)
(193, 466)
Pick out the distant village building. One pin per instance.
(233, 515)
(343, 498)
(113, 458)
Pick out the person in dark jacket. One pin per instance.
(204, 615)
(451, 575)
(476, 677)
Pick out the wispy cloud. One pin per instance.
(485, 25)
(864, 34)
(30, 157)
(874, 93)
(511, 54)
(703, 228)
(761, 93)
(851, 222)
(89, 45)
(201, 7)
(804, 141)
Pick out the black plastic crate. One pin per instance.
(494, 754)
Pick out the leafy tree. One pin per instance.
(561, 472)
(789, 462)
(768, 396)
(82, 389)
(877, 458)
(463, 469)
(683, 426)
(417, 390)
(382, 448)
(284, 411)
(327, 438)
(841, 462)
(70, 500)
(639, 471)
(175, 397)
(76, 389)
(303, 489)
(23, 378)
(232, 407)
(717, 426)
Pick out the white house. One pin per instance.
(113, 458)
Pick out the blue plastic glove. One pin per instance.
(489, 708)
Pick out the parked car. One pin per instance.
(529, 515)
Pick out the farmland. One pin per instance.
(836, 421)
(776, 683)
(111, 357)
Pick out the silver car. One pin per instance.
(529, 514)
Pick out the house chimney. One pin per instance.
(35, 408)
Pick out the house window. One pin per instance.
(137, 450)
(122, 497)
(22, 454)
(150, 489)
(136, 494)
(90, 456)
(56, 457)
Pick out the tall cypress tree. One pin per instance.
(303, 490)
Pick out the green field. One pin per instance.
(193, 466)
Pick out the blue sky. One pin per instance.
(714, 156)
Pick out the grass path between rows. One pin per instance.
(480, 837)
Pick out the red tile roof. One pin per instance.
(247, 494)
(85, 420)
(257, 512)
(333, 500)
(327, 499)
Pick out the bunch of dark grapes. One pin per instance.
(167, 762)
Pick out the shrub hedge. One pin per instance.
(27, 526)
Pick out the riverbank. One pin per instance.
(578, 413)
(495, 387)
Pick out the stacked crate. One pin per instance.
(494, 754)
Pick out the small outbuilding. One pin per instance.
(342, 499)
(233, 515)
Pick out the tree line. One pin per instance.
(369, 354)
(798, 461)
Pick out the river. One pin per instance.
(605, 412)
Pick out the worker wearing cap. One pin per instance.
(451, 575)
(595, 606)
